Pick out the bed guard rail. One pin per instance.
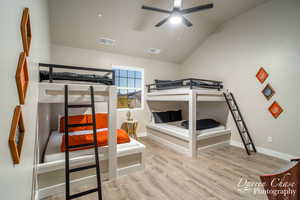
(53, 66)
(192, 83)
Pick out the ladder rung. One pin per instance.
(81, 145)
(240, 123)
(79, 125)
(83, 193)
(80, 106)
(82, 168)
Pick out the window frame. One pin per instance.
(127, 88)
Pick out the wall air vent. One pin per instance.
(107, 41)
(153, 51)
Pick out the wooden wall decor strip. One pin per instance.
(26, 31)
(22, 78)
(16, 136)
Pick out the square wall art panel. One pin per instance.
(275, 109)
(262, 75)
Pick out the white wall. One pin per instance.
(91, 58)
(267, 36)
(16, 180)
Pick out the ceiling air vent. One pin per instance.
(107, 41)
(153, 51)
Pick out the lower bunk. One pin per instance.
(174, 136)
(51, 173)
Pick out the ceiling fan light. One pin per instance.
(177, 3)
(176, 19)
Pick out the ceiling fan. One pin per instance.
(177, 14)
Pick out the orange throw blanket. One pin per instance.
(102, 139)
(101, 122)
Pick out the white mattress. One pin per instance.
(53, 152)
(184, 90)
(177, 126)
(179, 131)
(72, 82)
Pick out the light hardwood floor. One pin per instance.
(214, 175)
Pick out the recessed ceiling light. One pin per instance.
(153, 51)
(99, 15)
(176, 19)
(107, 41)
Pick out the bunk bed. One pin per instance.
(187, 140)
(115, 159)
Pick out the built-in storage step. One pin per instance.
(51, 179)
(168, 136)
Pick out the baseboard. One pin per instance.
(142, 134)
(266, 151)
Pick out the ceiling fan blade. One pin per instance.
(196, 9)
(162, 22)
(186, 22)
(156, 9)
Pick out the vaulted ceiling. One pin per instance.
(76, 23)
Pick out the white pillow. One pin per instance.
(58, 124)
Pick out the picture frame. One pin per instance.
(16, 136)
(22, 78)
(262, 75)
(268, 92)
(275, 109)
(26, 31)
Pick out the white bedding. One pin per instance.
(199, 132)
(53, 152)
(177, 130)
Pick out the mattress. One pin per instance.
(199, 132)
(183, 91)
(179, 131)
(68, 76)
(169, 84)
(53, 152)
(72, 82)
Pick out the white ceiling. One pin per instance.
(75, 23)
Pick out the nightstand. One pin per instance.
(130, 127)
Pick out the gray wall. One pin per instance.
(16, 180)
(267, 36)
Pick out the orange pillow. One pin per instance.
(77, 119)
(102, 139)
(101, 122)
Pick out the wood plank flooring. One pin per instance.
(214, 175)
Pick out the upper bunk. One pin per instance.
(78, 79)
(181, 90)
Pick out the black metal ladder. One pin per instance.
(239, 122)
(68, 171)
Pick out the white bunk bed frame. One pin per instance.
(192, 95)
(50, 92)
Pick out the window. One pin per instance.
(130, 85)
